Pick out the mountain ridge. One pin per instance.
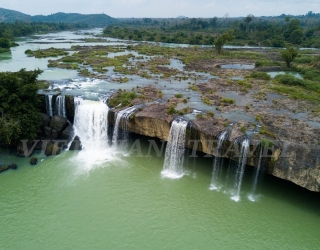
(97, 20)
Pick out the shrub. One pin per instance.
(264, 131)
(266, 142)
(178, 95)
(124, 98)
(289, 80)
(228, 100)
(171, 110)
(260, 75)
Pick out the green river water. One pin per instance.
(123, 203)
(70, 201)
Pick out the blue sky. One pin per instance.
(165, 8)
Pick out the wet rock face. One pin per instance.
(67, 133)
(70, 108)
(299, 164)
(58, 123)
(296, 163)
(55, 133)
(76, 144)
(52, 149)
(45, 120)
(151, 121)
(48, 131)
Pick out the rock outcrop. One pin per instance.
(33, 161)
(295, 162)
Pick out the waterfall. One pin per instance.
(173, 162)
(60, 106)
(256, 176)
(122, 115)
(91, 123)
(217, 163)
(49, 105)
(245, 143)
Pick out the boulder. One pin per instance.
(13, 166)
(76, 144)
(48, 131)
(26, 148)
(45, 119)
(33, 161)
(58, 123)
(3, 168)
(67, 133)
(70, 108)
(55, 133)
(52, 149)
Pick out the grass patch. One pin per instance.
(264, 131)
(171, 110)
(259, 75)
(290, 80)
(266, 143)
(228, 100)
(193, 87)
(122, 98)
(207, 101)
(42, 53)
(43, 85)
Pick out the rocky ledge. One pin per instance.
(284, 158)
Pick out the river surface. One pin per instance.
(118, 200)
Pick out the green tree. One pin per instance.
(222, 40)
(296, 37)
(288, 55)
(19, 105)
(4, 43)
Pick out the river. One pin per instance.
(71, 201)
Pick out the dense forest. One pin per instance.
(19, 105)
(263, 31)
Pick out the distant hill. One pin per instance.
(10, 16)
(97, 20)
(94, 20)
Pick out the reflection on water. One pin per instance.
(273, 74)
(237, 66)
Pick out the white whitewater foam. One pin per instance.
(174, 156)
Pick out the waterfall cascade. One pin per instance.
(120, 131)
(217, 162)
(60, 106)
(256, 176)
(245, 143)
(91, 123)
(174, 155)
(49, 105)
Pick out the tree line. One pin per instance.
(8, 31)
(263, 31)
